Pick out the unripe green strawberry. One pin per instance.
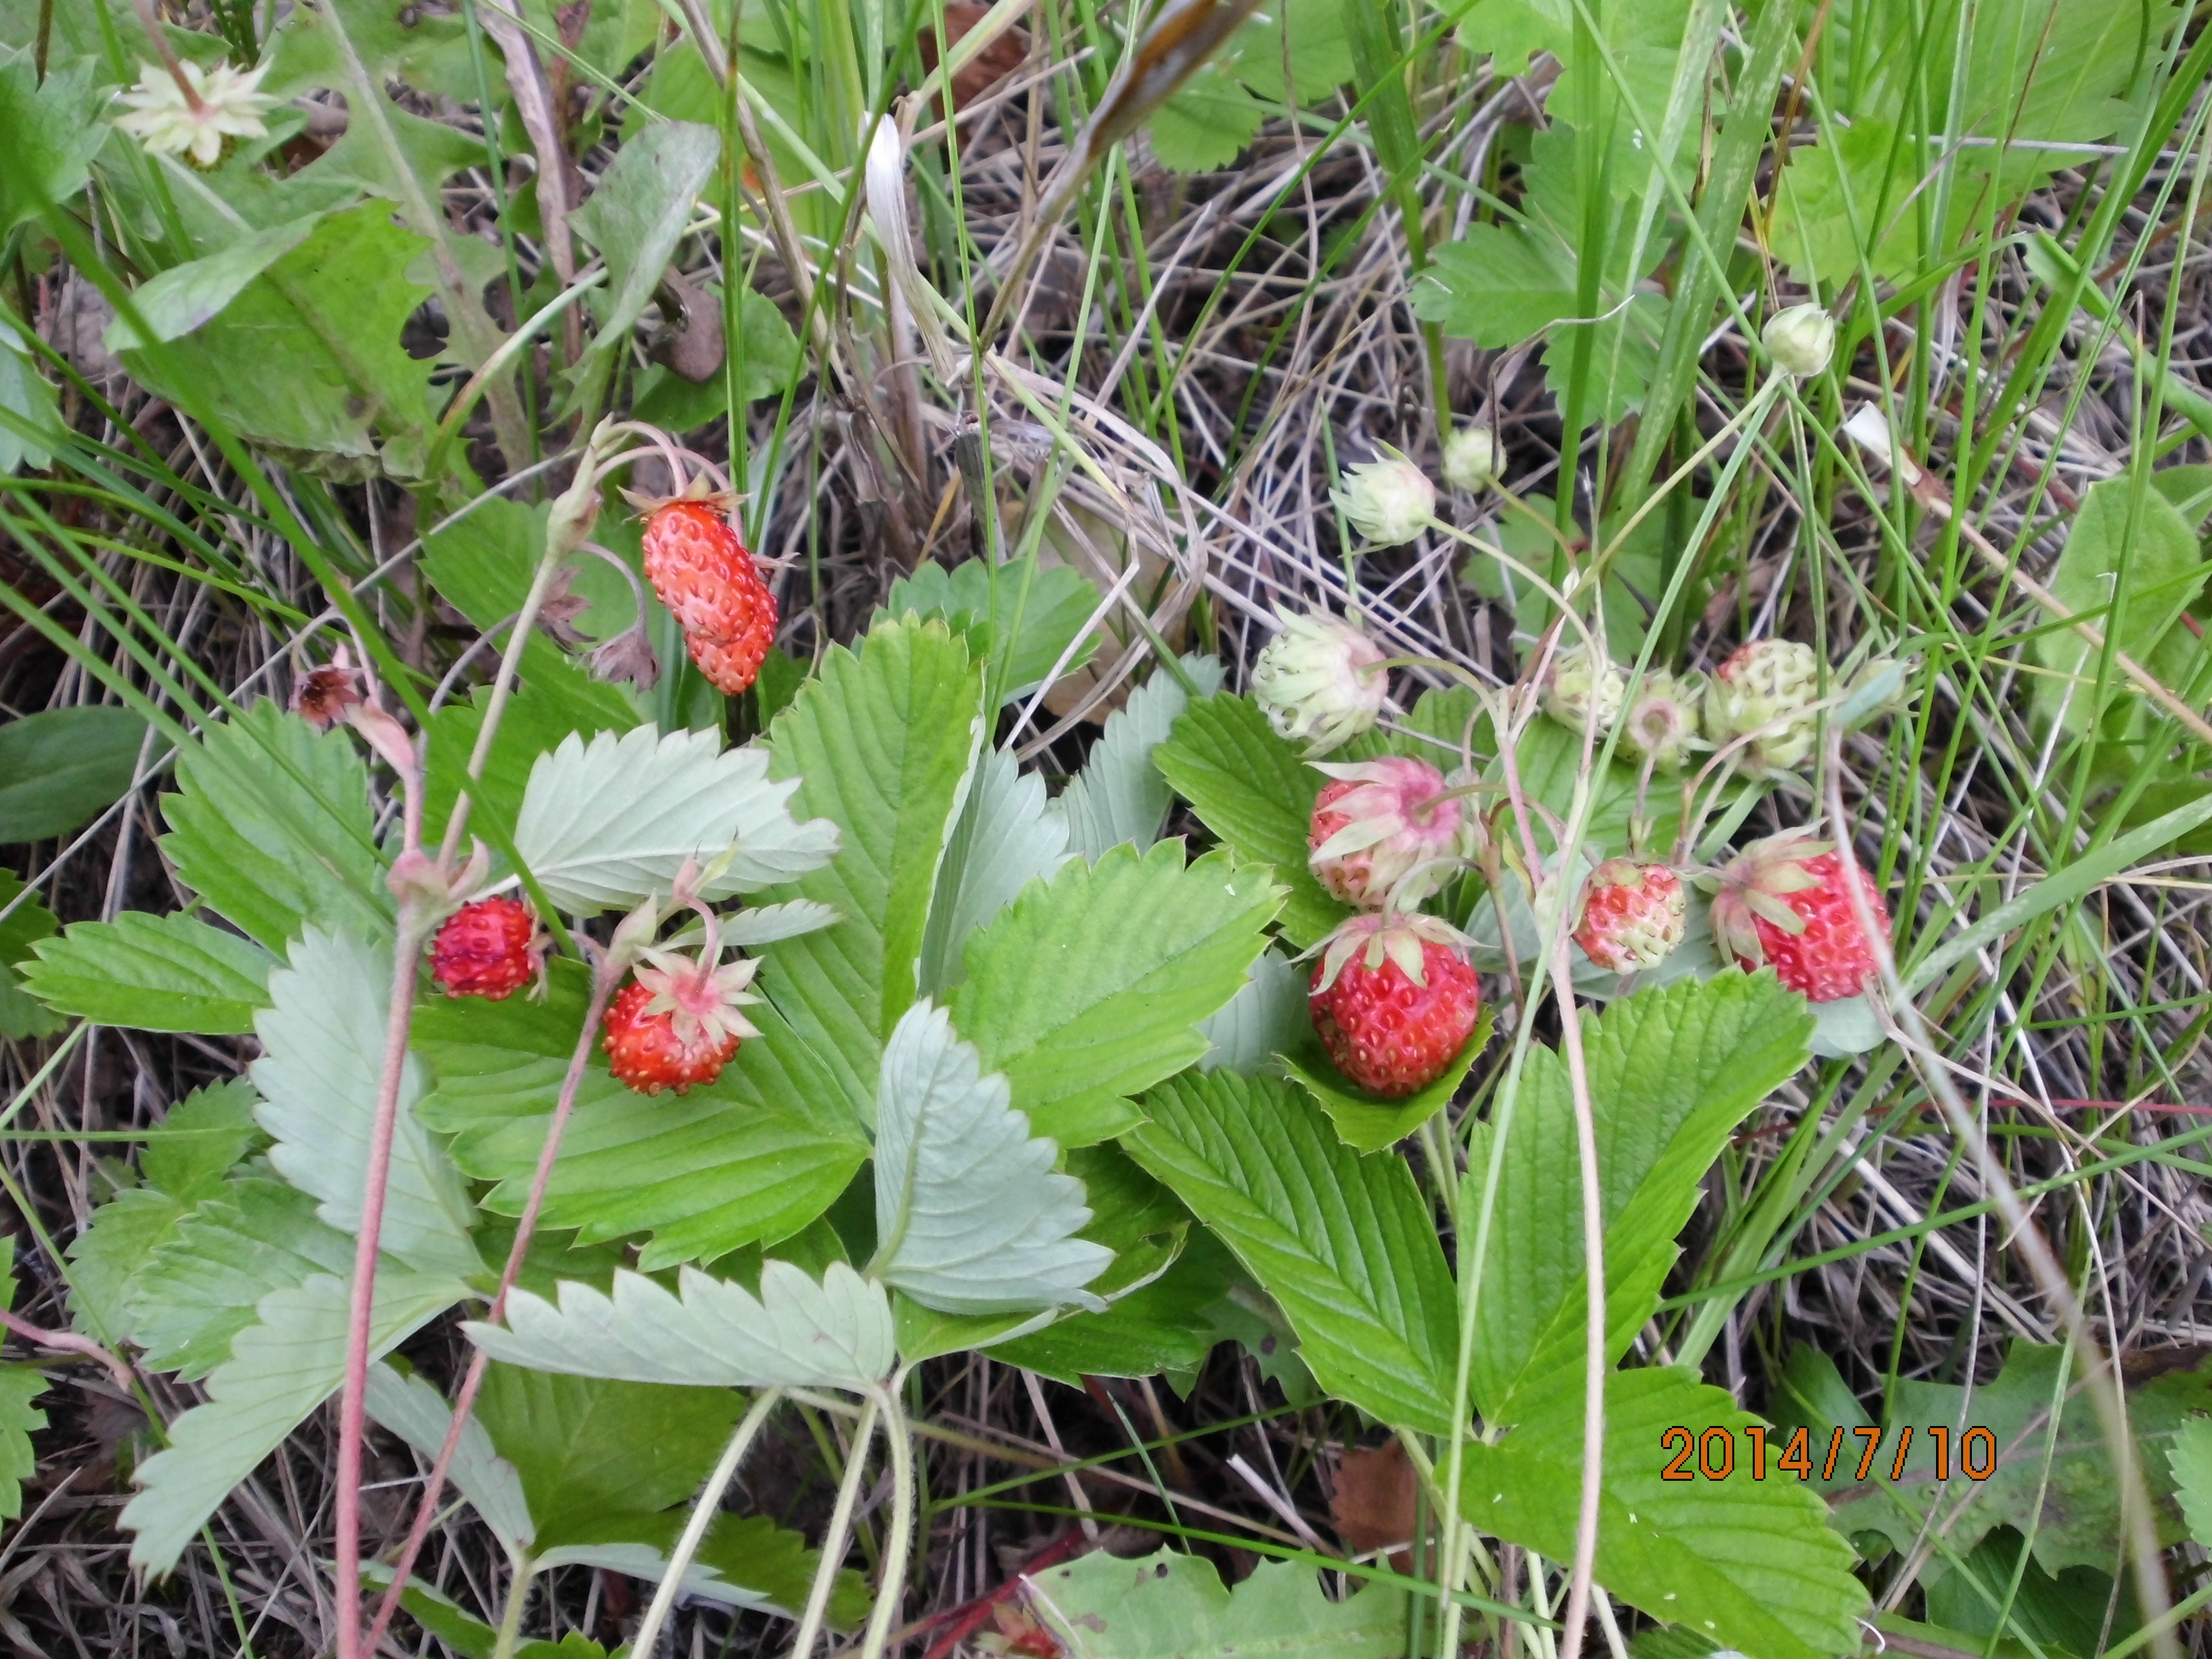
(1633, 915)
(1785, 901)
(1768, 687)
(1584, 692)
(1320, 681)
(1661, 724)
(1393, 1001)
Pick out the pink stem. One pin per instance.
(353, 1399)
(603, 985)
(69, 1342)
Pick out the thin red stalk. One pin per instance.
(69, 1342)
(353, 1399)
(603, 984)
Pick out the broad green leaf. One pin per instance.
(1344, 1243)
(19, 1460)
(1120, 795)
(1252, 789)
(63, 769)
(1500, 285)
(185, 296)
(200, 1138)
(635, 217)
(209, 1269)
(750, 1159)
(1088, 988)
(1206, 124)
(2190, 1459)
(106, 1257)
(1160, 1327)
(414, 1411)
(307, 357)
(50, 131)
(1007, 834)
(26, 922)
(1309, 34)
(775, 1562)
(2077, 1524)
(1025, 619)
(883, 741)
(322, 1055)
(2164, 571)
(602, 1461)
(1170, 1606)
(604, 823)
(795, 1333)
(2062, 1614)
(1266, 1019)
(272, 827)
(970, 1217)
(281, 1367)
(170, 973)
(1672, 1072)
(1749, 1563)
(1367, 1123)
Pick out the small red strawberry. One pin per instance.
(1393, 1001)
(1784, 901)
(1633, 915)
(705, 577)
(1380, 827)
(489, 949)
(678, 1024)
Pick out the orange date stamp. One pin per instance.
(1712, 1455)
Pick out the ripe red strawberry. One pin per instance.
(1784, 901)
(489, 949)
(1393, 1001)
(1380, 832)
(678, 1022)
(1633, 915)
(705, 577)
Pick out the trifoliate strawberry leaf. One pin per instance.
(1171, 1605)
(604, 823)
(970, 1217)
(1266, 1019)
(271, 826)
(883, 740)
(1344, 1243)
(1120, 795)
(19, 1460)
(747, 1159)
(281, 1367)
(65, 767)
(1256, 792)
(21, 1015)
(414, 1411)
(170, 973)
(1749, 1563)
(1007, 834)
(322, 1057)
(1672, 1073)
(198, 1287)
(795, 1333)
(1053, 602)
(1088, 989)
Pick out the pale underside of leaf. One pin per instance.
(1120, 794)
(410, 1408)
(1007, 834)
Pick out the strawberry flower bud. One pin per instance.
(1473, 459)
(1582, 692)
(1766, 692)
(1382, 832)
(1388, 502)
(1320, 682)
(1801, 340)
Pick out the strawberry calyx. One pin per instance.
(1398, 937)
(1754, 884)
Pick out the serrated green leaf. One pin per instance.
(63, 769)
(170, 973)
(19, 1460)
(1170, 1606)
(750, 1159)
(1344, 1243)
(1748, 1563)
(2189, 1458)
(1088, 988)
(106, 1257)
(272, 827)
(1266, 1019)
(883, 741)
(27, 923)
(795, 1333)
(1053, 602)
(1206, 124)
(50, 129)
(322, 1044)
(1672, 1072)
(209, 1269)
(555, 703)
(970, 1217)
(1120, 795)
(281, 1367)
(1256, 792)
(1161, 1327)
(200, 1138)
(1008, 833)
(605, 823)
(1500, 285)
